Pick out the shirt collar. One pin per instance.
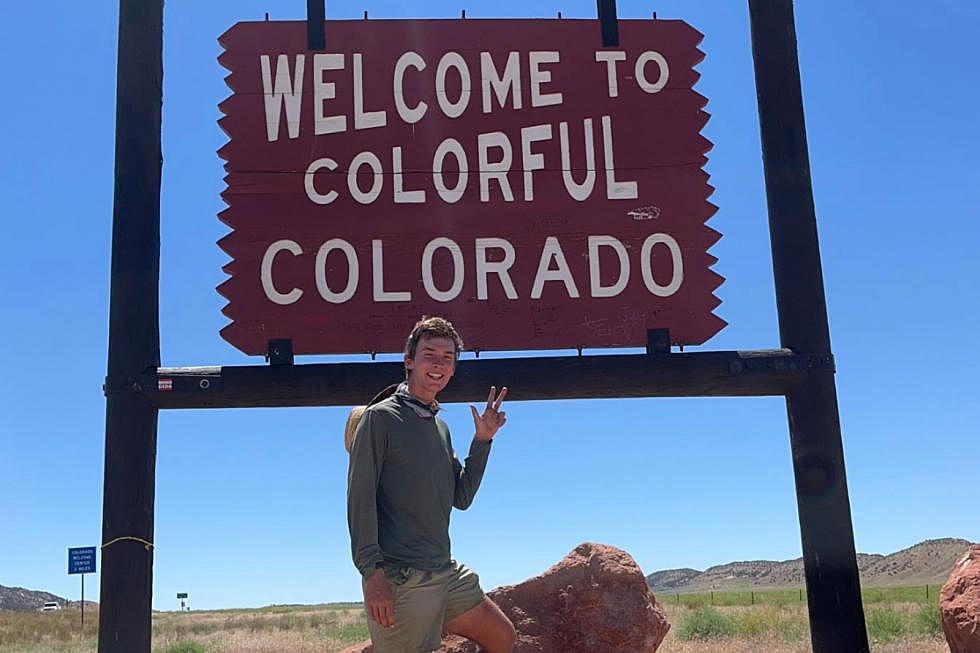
(421, 408)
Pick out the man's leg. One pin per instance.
(486, 625)
(419, 609)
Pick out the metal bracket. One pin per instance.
(608, 23)
(316, 33)
(658, 341)
(822, 362)
(115, 386)
(153, 382)
(818, 362)
(280, 352)
(189, 383)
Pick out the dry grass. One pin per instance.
(327, 629)
(48, 632)
(319, 629)
(776, 645)
(314, 630)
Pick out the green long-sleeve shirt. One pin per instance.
(403, 481)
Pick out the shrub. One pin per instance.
(928, 621)
(352, 632)
(885, 625)
(185, 647)
(792, 631)
(706, 623)
(754, 623)
(318, 621)
(693, 601)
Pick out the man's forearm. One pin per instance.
(362, 520)
(362, 491)
(469, 477)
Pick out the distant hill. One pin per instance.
(18, 599)
(925, 563)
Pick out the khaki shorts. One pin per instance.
(424, 602)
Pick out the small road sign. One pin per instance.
(81, 560)
(181, 595)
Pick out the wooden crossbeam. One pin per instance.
(693, 374)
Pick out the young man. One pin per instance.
(404, 480)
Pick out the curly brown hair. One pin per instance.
(432, 327)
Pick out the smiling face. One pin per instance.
(430, 369)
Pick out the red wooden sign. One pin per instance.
(511, 175)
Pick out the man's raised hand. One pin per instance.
(493, 418)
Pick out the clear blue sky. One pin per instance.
(250, 503)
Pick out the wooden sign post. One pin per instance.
(137, 387)
(126, 583)
(829, 559)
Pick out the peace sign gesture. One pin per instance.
(493, 418)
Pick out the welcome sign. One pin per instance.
(511, 175)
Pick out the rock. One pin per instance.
(595, 600)
(959, 603)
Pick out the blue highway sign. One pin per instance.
(81, 560)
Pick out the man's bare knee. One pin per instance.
(488, 626)
(504, 637)
(500, 638)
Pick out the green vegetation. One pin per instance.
(793, 630)
(773, 621)
(184, 647)
(748, 597)
(916, 594)
(890, 614)
(706, 623)
(755, 623)
(280, 609)
(351, 633)
(928, 621)
(885, 624)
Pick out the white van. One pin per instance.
(50, 606)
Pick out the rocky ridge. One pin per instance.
(928, 562)
(18, 599)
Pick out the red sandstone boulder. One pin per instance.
(595, 600)
(959, 602)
